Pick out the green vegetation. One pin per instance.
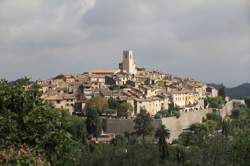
(161, 84)
(124, 110)
(93, 123)
(113, 103)
(34, 133)
(99, 103)
(143, 124)
(26, 119)
(214, 102)
(221, 91)
(22, 155)
(166, 113)
(172, 111)
(162, 134)
(214, 116)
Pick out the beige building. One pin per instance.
(104, 72)
(66, 102)
(211, 92)
(185, 98)
(151, 105)
(128, 63)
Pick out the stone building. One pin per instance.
(66, 102)
(151, 105)
(128, 63)
(185, 98)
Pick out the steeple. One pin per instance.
(128, 63)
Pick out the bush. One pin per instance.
(214, 102)
(111, 111)
(166, 113)
(239, 113)
(21, 156)
(214, 116)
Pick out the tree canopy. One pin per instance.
(99, 103)
(214, 102)
(25, 118)
(124, 110)
(34, 133)
(143, 124)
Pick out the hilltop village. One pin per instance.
(143, 89)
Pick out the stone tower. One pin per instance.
(128, 63)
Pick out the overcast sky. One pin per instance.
(208, 40)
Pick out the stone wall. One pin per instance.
(175, 125)
(119, 126)
(227, 109)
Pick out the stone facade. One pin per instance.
(128, 63)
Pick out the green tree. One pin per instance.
(143, 124)
(214, 116)
(99, 103)
(26, 119)
(124, 110)
(221, 91)
(113, 103)
(171, 108)
(162, 134)
(214, 102)
(93, 123)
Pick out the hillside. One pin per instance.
(238, 92)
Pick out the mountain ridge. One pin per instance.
(238, 92)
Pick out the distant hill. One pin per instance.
(237, 92)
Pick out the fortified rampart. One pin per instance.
(175, 125)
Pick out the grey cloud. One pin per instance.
(208, 40)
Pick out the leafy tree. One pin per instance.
(124, 110)
(93, 123)
(111, 112)
(214, 102)
(113, 103)
(143, 124)
(221, 91)
(225, 126)
(77, 128)
(167, 113)
(239, 113)
(162, 134)
(26, 119)
(214, 116)
(161, 84)
(99, 103)
(118, 141)
(171, 108)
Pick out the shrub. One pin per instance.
(23, 155)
